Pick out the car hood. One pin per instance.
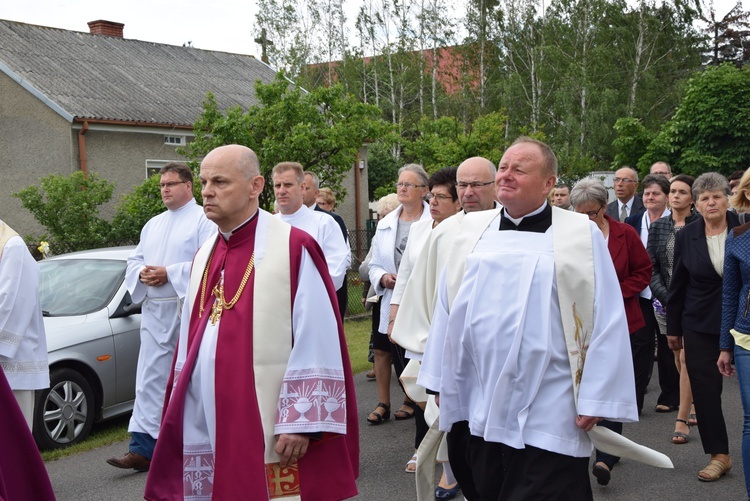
(72, 330)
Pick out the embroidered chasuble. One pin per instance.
(273, 362)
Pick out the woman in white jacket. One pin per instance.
(389, 244)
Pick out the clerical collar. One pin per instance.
(228, 234)
(538, 221)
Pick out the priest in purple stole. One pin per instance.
(22, 472)
(260, 403)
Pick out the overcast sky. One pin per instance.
(224, 25)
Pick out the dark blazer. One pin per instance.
(338, 219)
(633, 268)
(613, 210)
(343, 293)
(694, 299)
(658, 235)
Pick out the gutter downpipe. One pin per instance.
(357, 202)
(82, 148)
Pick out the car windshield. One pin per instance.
(78, 286)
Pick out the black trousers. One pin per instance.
(701, 353)
(642, 347)
(669, 378)
(502, 473)
(458, 443)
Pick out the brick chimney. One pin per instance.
(107, 28)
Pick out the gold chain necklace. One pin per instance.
(220, 302)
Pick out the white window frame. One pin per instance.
(174, 140)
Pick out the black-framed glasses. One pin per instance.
(595, 213)
(475, 184)
(171, 184)
(439, 197)
(409, 186)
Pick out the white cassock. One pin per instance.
(170, 239)
(324, 229)
(23, 343)
(497, 354)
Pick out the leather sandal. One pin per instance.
(715, 470)
(403, 414)
(380, 417)
(679, 438)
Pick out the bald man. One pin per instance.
(241, 419)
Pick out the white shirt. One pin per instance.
(23, 341)
(169, 239)
(324, 229)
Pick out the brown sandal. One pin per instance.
(715, 470)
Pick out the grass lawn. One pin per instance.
(116, 430)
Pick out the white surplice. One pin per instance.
(497, 354)
(169, 239)
(324, 229)
(23, 342)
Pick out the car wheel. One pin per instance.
(64, 412)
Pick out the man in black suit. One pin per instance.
(627, 203)
(309, 195)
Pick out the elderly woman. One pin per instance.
(385, 206)
(694, 312)
(735, 323)
(633, 268)
(661, 240)
(388, 245)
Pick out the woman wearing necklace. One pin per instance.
(694, 312)
(388, 245)
(661, 241)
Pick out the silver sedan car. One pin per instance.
(93, 337)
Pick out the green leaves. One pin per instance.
(68, 206)
(709, 130)
(322, 130)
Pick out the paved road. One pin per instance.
(386, 448)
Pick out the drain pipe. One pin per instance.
(82, 148)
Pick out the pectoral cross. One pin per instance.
(217, 308)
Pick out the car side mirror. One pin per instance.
(127, 307)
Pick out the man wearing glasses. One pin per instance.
(157, 274)
(627, 203)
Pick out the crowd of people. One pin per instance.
(680, 296)
(503, 299)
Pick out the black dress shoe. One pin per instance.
(129, 461)
(602, 474)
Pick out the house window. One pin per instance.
(174, 140)
(154, 166)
